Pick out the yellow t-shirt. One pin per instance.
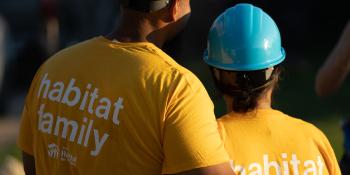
(102, 107)
(268, 142)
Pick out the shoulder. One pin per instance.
(72, 52)
(306, 127)
(181, 75)
(292, 120)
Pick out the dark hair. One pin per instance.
(145, 5)
(245, 87)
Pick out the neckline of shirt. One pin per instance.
(116, 42)
(257, 113)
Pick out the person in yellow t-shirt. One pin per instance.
(120, 105)
(244, 53)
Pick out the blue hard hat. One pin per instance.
(244, 38)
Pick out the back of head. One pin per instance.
(145, 5)
(244, 51)
(160, 20)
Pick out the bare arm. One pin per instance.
(221, 169)
(28, 163)
(334, 71)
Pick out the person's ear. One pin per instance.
(174, 8)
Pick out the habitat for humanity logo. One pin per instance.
(61, 154)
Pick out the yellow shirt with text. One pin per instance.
(268, 142)
(102, 107)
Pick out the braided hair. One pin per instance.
(245, 87)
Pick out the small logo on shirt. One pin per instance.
(53, 151)
(61, 154)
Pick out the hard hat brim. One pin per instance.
(244, 67)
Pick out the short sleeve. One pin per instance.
(191, 137)
(328, 155)
(25, 139)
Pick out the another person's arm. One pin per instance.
(2, 49)
(332, 74)
(192, 144)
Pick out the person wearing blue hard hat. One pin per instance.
(244, 54)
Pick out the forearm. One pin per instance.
(331, 76)
(334, 71)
